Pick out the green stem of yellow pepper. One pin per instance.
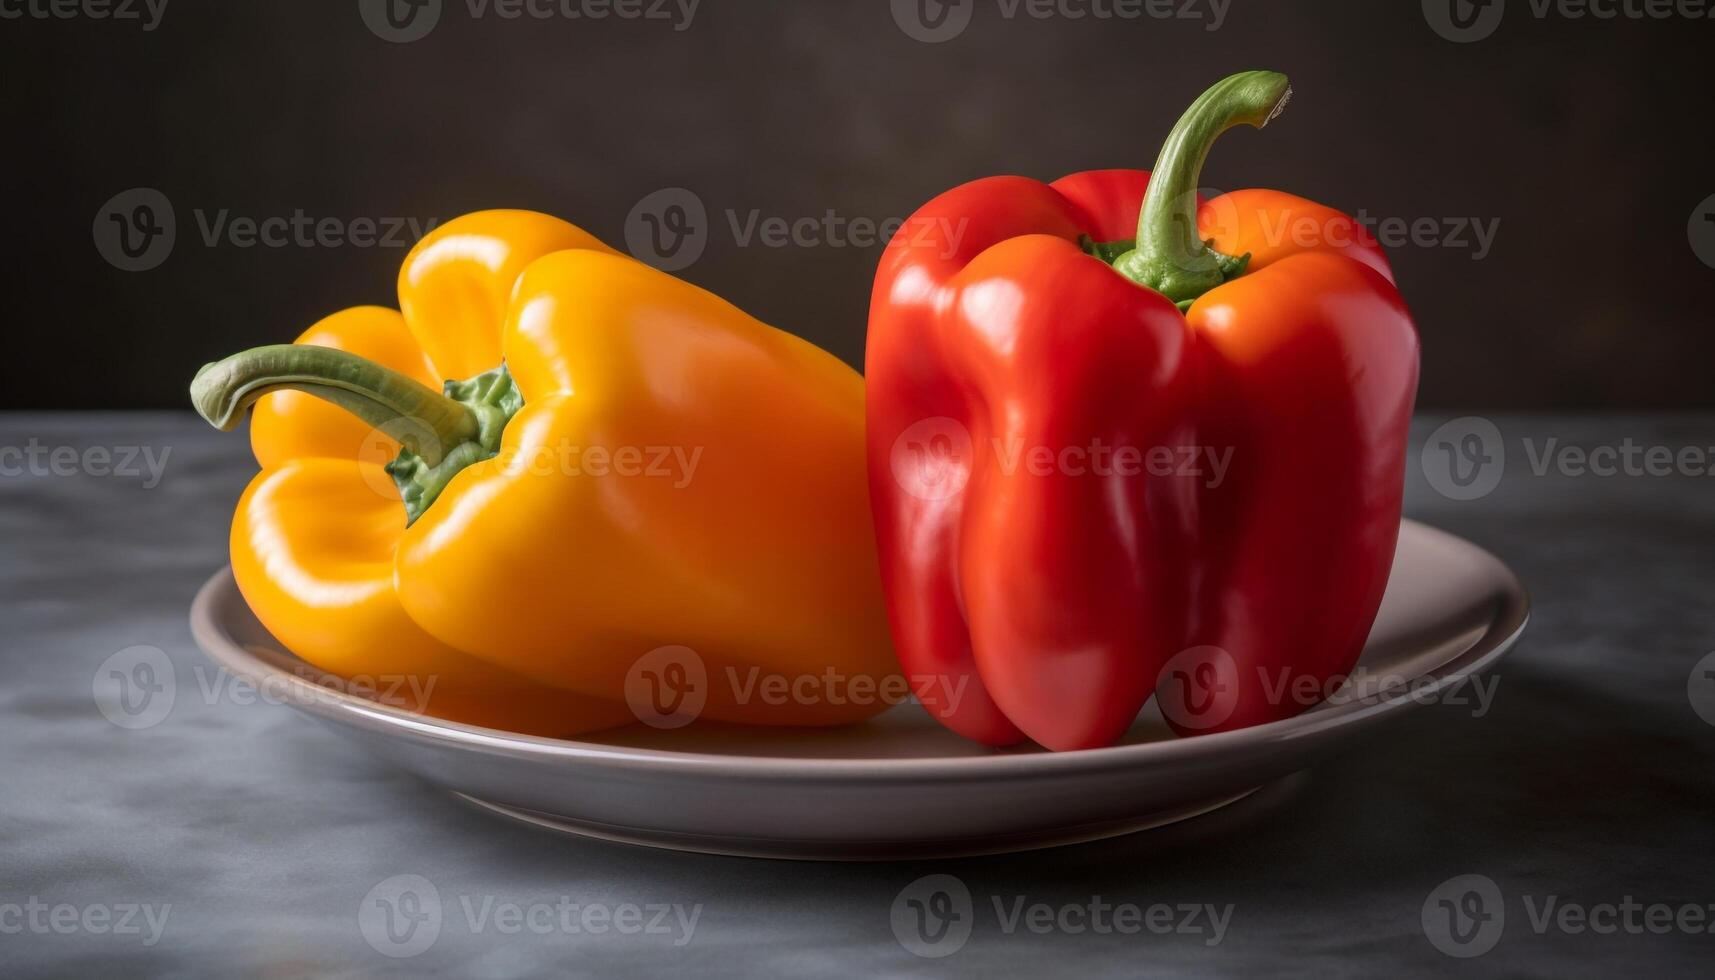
(441, 432)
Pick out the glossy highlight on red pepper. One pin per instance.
(1013, 367)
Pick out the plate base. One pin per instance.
(901, 785)
(811, 850)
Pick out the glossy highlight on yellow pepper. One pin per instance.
(678, 475)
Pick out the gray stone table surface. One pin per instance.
(240, 838)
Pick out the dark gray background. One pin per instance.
(1588, 140)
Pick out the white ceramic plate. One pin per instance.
(900, 786)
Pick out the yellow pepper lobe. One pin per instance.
(706, 473)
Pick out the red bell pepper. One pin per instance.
(1038, 382)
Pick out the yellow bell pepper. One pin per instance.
(632, 464)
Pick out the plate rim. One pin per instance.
(1505, 627)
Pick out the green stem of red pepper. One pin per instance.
(1169, 256)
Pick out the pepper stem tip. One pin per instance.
(1170, 256)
